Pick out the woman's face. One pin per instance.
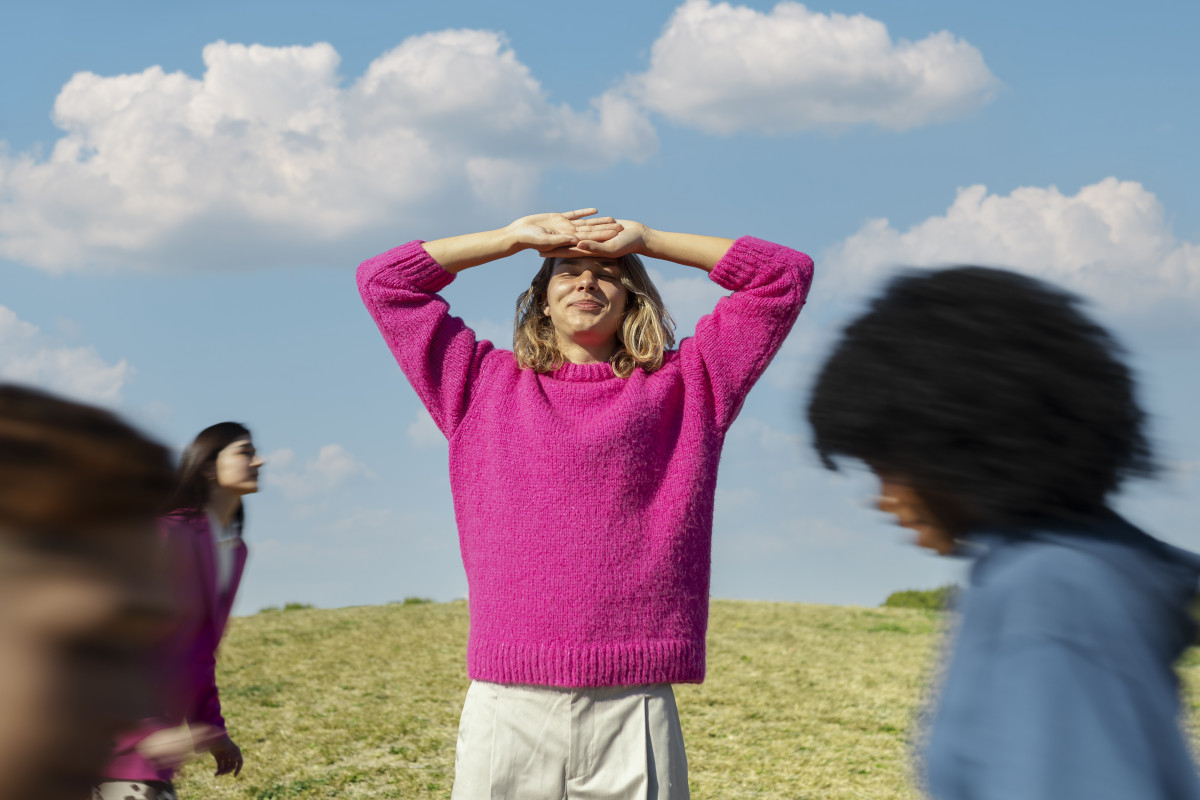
(918, 512)
(585, 300)
(237, 467)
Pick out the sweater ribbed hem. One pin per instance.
(586, 666)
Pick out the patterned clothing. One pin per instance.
(134, 790)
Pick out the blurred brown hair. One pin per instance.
(66, 465)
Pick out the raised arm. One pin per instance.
(541, 232)
(438, 352)
(689, 249)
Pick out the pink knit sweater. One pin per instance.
(585, 501)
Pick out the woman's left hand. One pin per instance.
(228, 756)
(631, 238)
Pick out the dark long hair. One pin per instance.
(193, 486)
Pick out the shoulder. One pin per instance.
(1049, 587)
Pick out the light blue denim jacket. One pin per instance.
(1060, 684)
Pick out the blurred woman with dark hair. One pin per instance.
(999, 419)
(205, 555)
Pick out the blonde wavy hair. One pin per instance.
(647, 328)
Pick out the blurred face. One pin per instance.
(916, 511)
(76, 625)
(236, 467)
(586, 300)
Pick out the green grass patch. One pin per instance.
(800, 701)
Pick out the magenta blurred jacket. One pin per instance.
(185, 666)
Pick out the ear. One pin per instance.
(546, 311)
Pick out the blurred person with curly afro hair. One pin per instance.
(999, 420)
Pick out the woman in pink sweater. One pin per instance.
(583, 467)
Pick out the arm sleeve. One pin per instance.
(438, 352)
(1058, 725)
(734, 344)
(208, 700)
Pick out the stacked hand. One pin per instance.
(576, 234)
(172, 747)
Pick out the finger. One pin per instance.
(237, 770)
(594, 247)
(564, 252)
(557, 240)
(599, 236)
(579, 212)
(587, 226)
(595, 221)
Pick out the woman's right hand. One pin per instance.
(172, 747)
(541, 232)
(546, 232)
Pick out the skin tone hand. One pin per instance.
(544, 232)
(541, 232)
(172, 747)
(630, 238)
(228, 756)
(692, 250)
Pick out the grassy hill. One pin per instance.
(801, 701)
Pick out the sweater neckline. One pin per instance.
(600, 371)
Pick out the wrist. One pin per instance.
(650, 242)
(508, 241)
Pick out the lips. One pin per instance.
(586, 305)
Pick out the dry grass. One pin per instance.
(801, 701)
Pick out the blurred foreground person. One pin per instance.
(78, 604)
(205, 556)
(999, 419)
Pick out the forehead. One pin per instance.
(607, 264)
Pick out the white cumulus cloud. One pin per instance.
(725, 69)
(1111, 241)
(333, 466)
(268, 158)
(29, 356)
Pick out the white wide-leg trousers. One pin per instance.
(545, 743)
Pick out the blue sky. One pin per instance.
(185, 191)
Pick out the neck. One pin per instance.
(587, 352)
(224, 504)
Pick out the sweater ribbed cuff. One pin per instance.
(589, 666)
(741, 266)
(415, 267)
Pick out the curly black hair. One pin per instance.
(989, 388)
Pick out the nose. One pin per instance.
(586, 281)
